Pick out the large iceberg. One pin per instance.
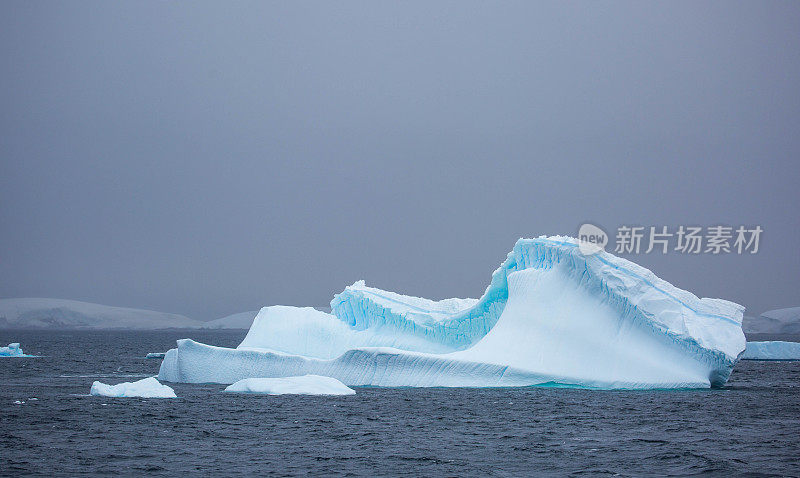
(305, 385)
(145, 388)
(550, 316)
(774, 350)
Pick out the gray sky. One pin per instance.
(207, 159)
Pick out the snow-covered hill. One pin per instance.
(242, 320)
(40, 313)
(778, 321)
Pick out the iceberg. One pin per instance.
(305, 385)
(550, 316)
(13, 350)
(146, 388)
(774, 350)
(155, 355)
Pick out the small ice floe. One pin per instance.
(18, 402)
(145, 388)
(13, 350)
(155, 355)
(303, 385)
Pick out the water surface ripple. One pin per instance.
(750, 427)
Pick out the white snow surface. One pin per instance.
(71, 314)
(13, 350)
(303, 385)
(549, 316)
(773, 350)
(242, 320)
(145, 388)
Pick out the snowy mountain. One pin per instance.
(242, 320)
(37, 313)
(778, 321)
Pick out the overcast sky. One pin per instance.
(210, 158)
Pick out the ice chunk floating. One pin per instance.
(305, 385)
(146, 388)
(775, 350)
(550, 316)
(13, 350)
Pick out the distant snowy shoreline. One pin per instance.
(39, 313)
(63, 314)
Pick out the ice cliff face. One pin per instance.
(773, 350)
(550, 315)
(452, 323)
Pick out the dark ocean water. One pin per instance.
(750, 427)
